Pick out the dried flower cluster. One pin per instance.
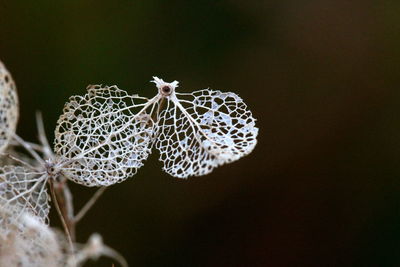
(102, 138)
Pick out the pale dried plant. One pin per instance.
(99, 140)
(104, 137)
(23, 191)
(30, 242)
(106, 133)
(25, 238)
(27, 241)
(9, 110)
(94, 249)
(201, 130)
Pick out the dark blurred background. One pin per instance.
(322, 187)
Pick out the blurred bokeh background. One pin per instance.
(322, 187)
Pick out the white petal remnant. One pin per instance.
(101, 138)
(202, 130)
(23, 192)
(8, 107)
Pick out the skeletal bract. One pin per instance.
(8, 107)
(102, 137)
(23, 191)
(199, 131)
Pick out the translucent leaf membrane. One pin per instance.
(28, 242)
(102, 137)
(8, 107)
(22, 191)
(202, 130)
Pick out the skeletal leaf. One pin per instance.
(8, 107)
(103, 137)
(23, 191)
(201, 130)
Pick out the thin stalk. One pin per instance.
(89, 204)
(8, 155)
(34, 146)
(42, 135)
(66, 229)
(64, 198)
(29, 148)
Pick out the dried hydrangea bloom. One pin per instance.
(102, 137)
(28, 242)
(8, 107)
(25, 191)
(201, 130)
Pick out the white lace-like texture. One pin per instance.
(23, 191)
(199, 131)
(202, 130)
(99, 139)
(104, 136)
(8, 107)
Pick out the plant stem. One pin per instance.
(63, 222)
(89, 204)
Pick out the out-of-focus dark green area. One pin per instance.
(322, 187)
